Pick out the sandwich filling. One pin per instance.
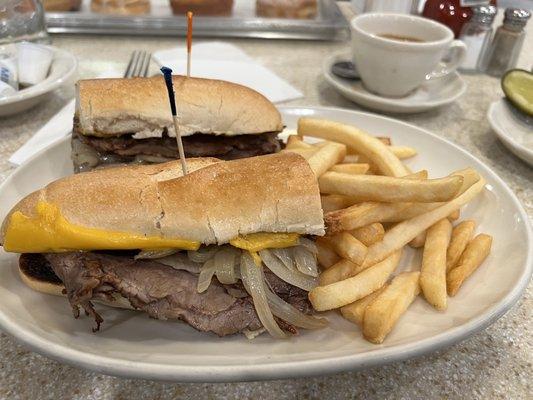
(89, 152)
(162, 291)
(219, 289)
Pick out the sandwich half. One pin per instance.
(129, 121)
(227, 248)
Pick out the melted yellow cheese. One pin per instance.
(49, 231)
(256, 257)
(259, 241)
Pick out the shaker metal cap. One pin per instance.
(484, 14)
(516, 16)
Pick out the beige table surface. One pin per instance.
(496, 363)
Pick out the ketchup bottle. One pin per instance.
(452, 13)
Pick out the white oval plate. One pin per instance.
(432, 94)
(132, 345)
(62, 71)
(514, 133)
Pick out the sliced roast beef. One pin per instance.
(162, 292)
(126, 149)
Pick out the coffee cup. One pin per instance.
(396, 53)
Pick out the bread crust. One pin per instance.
(62, 5)
(121, 7)
(214, 203)
(202, 7)
(299, 9)
(113, 107)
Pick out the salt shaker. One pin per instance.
(507, 43)
(476, 34)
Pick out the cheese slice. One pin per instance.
(259, 241)
(49, 231)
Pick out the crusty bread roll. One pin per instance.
(202, 7)
(112, 107)
(121, 7)
(299, 9)
(62, 5)
(214, 203)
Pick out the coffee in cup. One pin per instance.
(396, 53)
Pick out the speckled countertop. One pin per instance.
(495, 363)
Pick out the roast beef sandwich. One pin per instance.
(129, 121)
(227, 248)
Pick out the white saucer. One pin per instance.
(62, 71)
(515, 134)
(432, 94)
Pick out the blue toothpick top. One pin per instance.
(167, 73)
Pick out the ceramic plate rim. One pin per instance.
(45, 87)
(399, 106)
(277, 370)
(500, 133)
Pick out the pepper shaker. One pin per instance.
(507, 43)
(476, 34)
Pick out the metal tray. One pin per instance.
(329, 24)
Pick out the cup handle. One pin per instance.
(455, 56)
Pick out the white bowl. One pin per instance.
(514, 133)
(63, 69)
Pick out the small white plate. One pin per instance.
(515, 133)
(432, 94)
(132, 345)
(63, 69)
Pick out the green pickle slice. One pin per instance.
(517, 84)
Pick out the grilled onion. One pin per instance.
(309, 245)
(225, 265)
(206, 274)
(180, 262)
(305, 261)
(291, 276)
(151, 254)
(292, 315)
(202, 254)
(285, 256)
(254, 282)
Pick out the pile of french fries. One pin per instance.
(374, 206)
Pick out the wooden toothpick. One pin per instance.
(167, 73)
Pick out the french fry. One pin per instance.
(296, 142)
(334, 202)
(355, 169)
(475, 253)
(383, 313)
(341, 270)
(454, 216)
(326, 255)
(369, 234)
(433, 270)
(418, 241)
(356, 139)
(403, 152)
(390, 189)
(461, 235)
(326, 157)
(305, 153)
(405, 231)
(352, 159)
(354, 312)
(385, 140)
(347, 246)
(347, 291)
(363, 214)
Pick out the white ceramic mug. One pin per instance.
(394, 68)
